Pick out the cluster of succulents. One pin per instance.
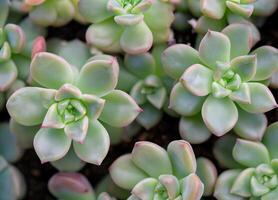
(131, 66)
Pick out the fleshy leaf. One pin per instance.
(240, 36)
(183, 102)
(99, 76)
(68, 91)
(207, 173)
(222, 151)
(4, 11)
(245, 10)
(262, 99)
(151, 158)
(52, 118)
(178, 58)
(250, 154)
(191, 187)
(78, 130)
(241, 185)
(197, 79)
(128, 19)
(105, 36)
(5, 52)
(35, 100)
(149, 117)
(224, 184)
(193, 129)
(69, 163)
(257, 188)
(140, 65)
(182, 157)
(213, 8)
(214, 110)
(250, 126)
(145, 188)
(124, 108)
(70, 186)
(158, 98)
(267, 57)
(242, 95)
(8, 74)
(51, 144)
(94, 11)
(125, 173)
(270, 139)
(245, 67)
(215, 47)
(171, 184)
(46, 69)
(141, 44)
(95, 146)
(15, 37)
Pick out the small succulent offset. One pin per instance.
(72, 186)
(12, 184)
(220, 86)
(70, 106)
(48, 12)
(143, 77)
(258, 176)
(127, 25)
(12, 41)
(151, 172)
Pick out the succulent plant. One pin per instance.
(219, 87)
(127, 25)
(151, 172)
(257, 176)
(12, 184)
(70, 106)
(49, 12)
(72, 186)
(16, 45)
(143, 77)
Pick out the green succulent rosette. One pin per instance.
(257, 176)
(12, 184)
(70, 104)
(143, 77)
(219, 86)
(49, 12)
(127, 25)
(150, 172)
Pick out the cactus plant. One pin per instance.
(126, 25)
(219, 87)
(151, 172)
(70, 106)
(256, 178)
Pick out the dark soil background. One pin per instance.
(37, 175)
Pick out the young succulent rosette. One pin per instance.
(72, 186)
(70, 105)
(12, 41)
(151, 172)
(257, 177)
(143, 77)
(127, 25)
(12, 184)
(48, 12)
(220, 87)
